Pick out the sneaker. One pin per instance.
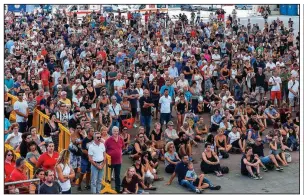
(260, 177)
(79, 189)
(87, 187)
(281, 168)
(197, 191)
(254, 177)
(215, 187)
(265, 169)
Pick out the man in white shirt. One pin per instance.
(96, 154)
(115, 112)
(270, 64)
(280, 63)
(182, 82)
(173, 72)
(293, 87)
(56, 74)
(216, 57)
(119, 83)
(276, 83)
(77, 85)
(22, 111)
(165, 107)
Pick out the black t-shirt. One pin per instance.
(244, 171)
(73, 123)
(133, 102)
(85, 146)
(260, 80)
(157, 137)
(259, 150)
(145, 111)
(131, 186)
(54, 189)
(187, 69)
(178, 143)
(252, 123)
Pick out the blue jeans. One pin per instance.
(165, 117)
(189, 185)
(205, 180)
(96, 177)
(114, 123)
(146, 122)
(116, 168)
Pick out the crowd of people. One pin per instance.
(107, 78)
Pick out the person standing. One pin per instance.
(165, 110)
(260, 83)
(293, 87)
(50, 186)
(22, 112)
(114, 146)
(276, 83)
(115, 112)
(64, 171)
(146, 104)
(96, 154)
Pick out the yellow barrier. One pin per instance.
(106, 180)
(30, 172)
(12, 116)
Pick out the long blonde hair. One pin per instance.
(64, 158)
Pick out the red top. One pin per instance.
(8, 169)
(103, 55)
(114, 149)
(47, 162)
(45, 76)
(18, 175)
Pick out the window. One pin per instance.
(151, 6)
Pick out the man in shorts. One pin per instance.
(276, 83)
(260, 83)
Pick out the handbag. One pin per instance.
(128, 122)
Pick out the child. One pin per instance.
(191, 176)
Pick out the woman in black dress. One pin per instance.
(51, 130)
(210, 161)
(181, 108)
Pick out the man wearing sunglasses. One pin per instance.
(96, 153)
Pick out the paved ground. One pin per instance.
(233, 182)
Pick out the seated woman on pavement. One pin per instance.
(154, 154)
(141, 130)
(258, 148)
(210, 161)
(139, 146)
(200, 129)
(170, 132)
(171, 158)
(278, 148)
(252, 135)
(225, 124)
(189, 132)
(236, 141)
(250, 164)
(130, 182)
(221, 143)
(240, 125)
(150, 172)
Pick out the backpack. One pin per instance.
(224, 169)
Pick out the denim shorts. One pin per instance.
(85, 166)
(265, 159)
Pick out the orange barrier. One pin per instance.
(12, 116)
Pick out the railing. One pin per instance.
(39, 120)
(12, 116)
(30, 168)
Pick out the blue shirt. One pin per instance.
(181, 171)
(271, 112)
(170, 89)
(217, 118)
(7, 124)
(9, 83)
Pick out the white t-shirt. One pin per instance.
(117, 109)
(21, 107)
(181, 84)
(280, 64)
(14, 142)
(294, 85)
(234, 136)
(216, 58)
(119, 83)
(165, 104)
(277, 81)
(56, 76)
(270, 65)
(97, 81)
(96, 151)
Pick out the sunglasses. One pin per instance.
(9, 154)
(98, 137)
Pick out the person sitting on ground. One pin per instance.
(271, 113)
(150, 173)
(191, 176)
(258, 148)
(181, 171)
(236, 141)
(153, 154)
(170, 133)
(182, 145)
(139, 146)
(130, 182)
(277, 149)
(252, 135)
(225, 124)
(210, 161)
(250, 164)
(189, 132)
(215, 120)
(201, 129)
(221, 142)
(171, 158)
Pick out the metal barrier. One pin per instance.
(30, 171)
